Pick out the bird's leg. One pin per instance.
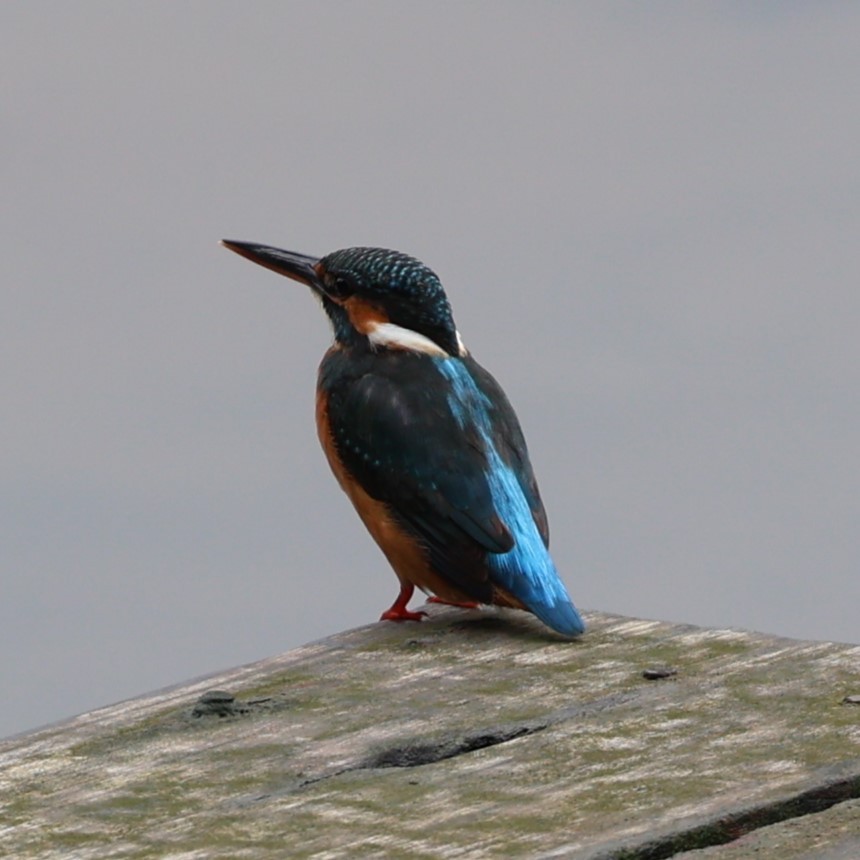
(398, 611)
(467, 604)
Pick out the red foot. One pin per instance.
(464, 605)
(401, 615)
(398, 611)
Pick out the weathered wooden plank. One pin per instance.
(469, 735)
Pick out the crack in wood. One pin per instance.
(417, 754)
(728, 828)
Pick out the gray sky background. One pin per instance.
(647, 217)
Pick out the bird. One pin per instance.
(423, 440)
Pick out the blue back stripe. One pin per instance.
(527, 570)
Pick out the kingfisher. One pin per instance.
(423, 440)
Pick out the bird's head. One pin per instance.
(374, 297)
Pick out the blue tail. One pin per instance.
(527, 571)
(563, 617)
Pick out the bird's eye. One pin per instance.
(339, 286)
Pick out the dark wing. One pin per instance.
(395, 432)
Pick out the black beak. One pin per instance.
(299, 267)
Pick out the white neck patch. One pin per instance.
(391, 336)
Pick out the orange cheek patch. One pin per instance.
(363, 315)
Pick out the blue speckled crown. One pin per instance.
(410, 291)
